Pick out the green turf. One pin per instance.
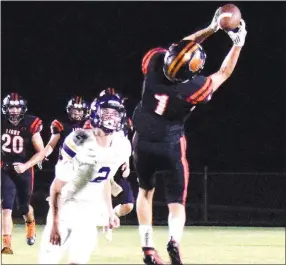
(200, 245)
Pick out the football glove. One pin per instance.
(214, 24)
(238, 35)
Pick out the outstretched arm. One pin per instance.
(45, 152)
(201, 35)
(231, 59)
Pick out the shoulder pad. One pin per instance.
(148, 56)
(56, 127)
(35, 123)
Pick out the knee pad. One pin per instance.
(24, 209)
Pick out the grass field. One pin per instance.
(200, 245)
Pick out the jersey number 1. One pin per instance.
(162, 103)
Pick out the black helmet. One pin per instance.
(14, 100)
(79, 104)
(184, 60)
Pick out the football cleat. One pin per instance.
(7, 251)
(151, 256)
(174, 252)
(31, 233)
(6, 241)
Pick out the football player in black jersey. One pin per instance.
(20, 135)
(77, 110)
(172, 88)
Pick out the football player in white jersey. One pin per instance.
(81, 190)
(120, 182)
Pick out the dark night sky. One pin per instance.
(53, 50)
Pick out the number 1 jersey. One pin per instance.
(164, 106)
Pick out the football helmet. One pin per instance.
(184, 60)
(77, 108)
(14, 107)
(107, 111)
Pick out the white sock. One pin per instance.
(146, 232)
(176, 227)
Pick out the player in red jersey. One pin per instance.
(20, 135)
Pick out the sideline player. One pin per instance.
(81, 189)
(172, 88)
(20, 134)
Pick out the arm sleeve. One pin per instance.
(69, 148)
(64, 170)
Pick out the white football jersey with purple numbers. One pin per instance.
(108, 160)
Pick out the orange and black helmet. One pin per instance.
(14, 100)
(184, 60)
(78, 103)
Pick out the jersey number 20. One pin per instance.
(102, 174)
(162, 103)
(12, 144)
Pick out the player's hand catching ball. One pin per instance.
(238, 37)
(215, 21)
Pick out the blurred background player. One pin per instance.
(172, 88)
(77, 110)
(81, 189)
(20, 134)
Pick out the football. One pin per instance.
(229, 17)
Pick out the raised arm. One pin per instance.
(201, 35)
(231, 59)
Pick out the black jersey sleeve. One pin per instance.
(150, 58)
(196, 90)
